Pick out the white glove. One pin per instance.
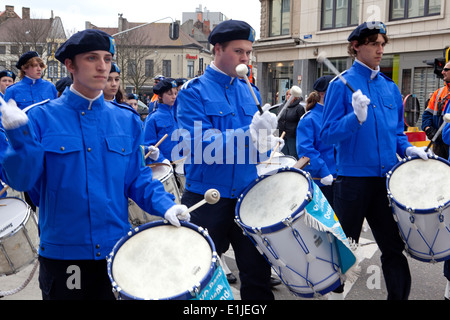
(419, 152)
(360, 103)
(12, 116)
(176, 213)
(155, 153)
(327, 181)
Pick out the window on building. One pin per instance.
(53, 69)
(15, 50)
(131, 68)
(149, 68)
(167, 68)
(190, 69)
(2, 49)
(339, 13)
(280, 17)
(408, 9)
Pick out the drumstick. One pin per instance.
(3, 190)
(242, 71)
(275, 150)
(212, 196)
(156, 145)
(322, 58)
(303, 162)
(438, 133)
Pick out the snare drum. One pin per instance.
(179, 174)
(293, 225)
(164, 173)
(137, 216)
(161, 262)
(19, 237)
(276, 163)
(419, 193)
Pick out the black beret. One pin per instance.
(132, 96)
(115, 68)
(232, 30)
(181, 81)
(321, 84)
(367, 29)
(85, 41)
(25, 57)
(164, 86)
(63, 83)
(7, 73)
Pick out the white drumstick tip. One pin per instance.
(242, 70)
(212, 196)
(447, 118)
(321, 57)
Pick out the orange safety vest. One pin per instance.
(439, 100)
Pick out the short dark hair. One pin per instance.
(373, 38)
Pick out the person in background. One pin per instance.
(132, 99)
(322, 165)
(31, 88)
(113, 90)
(62, 84)
(7, 78)
(288, 122)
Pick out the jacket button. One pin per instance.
(98, 254)
(62, 148)
(89, 149)
(97, 246)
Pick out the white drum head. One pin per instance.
(274, 199)
(13, 213)
(162, 262)
(160, 171)
(421, 184)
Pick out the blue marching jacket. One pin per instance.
(309, 145)
(27, 92)
(369, 149)
(84, 162)
(214, 115)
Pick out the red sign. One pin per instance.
(189, 57)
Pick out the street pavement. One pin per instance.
(428, 282)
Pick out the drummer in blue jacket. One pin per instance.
(367, 129)
(322, 165)
(216, 112)
(31, 88)
(7, 78)
(84, 156)
(163, 121)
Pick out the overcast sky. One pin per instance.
(104, 13)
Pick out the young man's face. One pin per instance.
(170, 96)
(371, 53)
(236, 52)
(34, 71)
(5, 82)
(90, 72)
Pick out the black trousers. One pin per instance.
(218, 219)
(357, 198)
(74, 280)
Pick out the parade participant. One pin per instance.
(154, 101)
(113, 90)
(432, 117)
(288, 123)
(180, 82)
(132, 99)
(322, 165)
(366, 128)
(4, 144)
(62, 84)
(7, 78)
(220, 108)
(87, 156)
(31, 88)
(163, 120)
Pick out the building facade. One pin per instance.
(294, 32)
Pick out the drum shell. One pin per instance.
(297, 252)
(425, 232)
(185, 295)
(19, 247)
(164, 173)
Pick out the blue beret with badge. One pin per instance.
(164, 86)
(114, 68)
(367, 29)
(85, 41)
(7, 73)
(232, 30)
(25, 57)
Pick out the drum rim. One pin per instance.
(183, 295)
(402, 206)
(22, 223)
(279, 225)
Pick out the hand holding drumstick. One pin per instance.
(153, 149)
